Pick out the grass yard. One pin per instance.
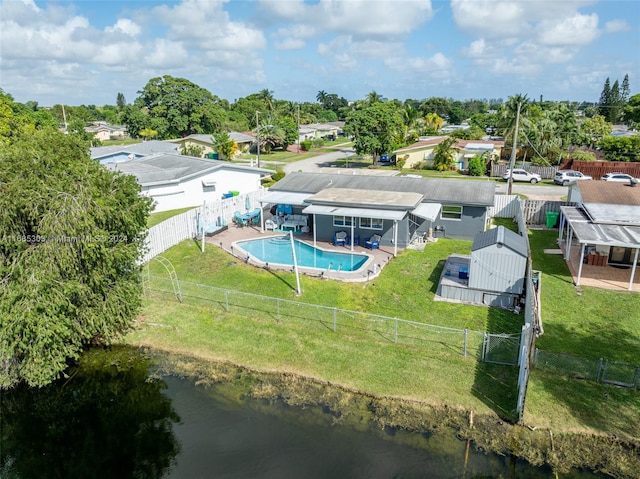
(434, 372)
(155, 218)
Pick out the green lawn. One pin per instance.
(431, 371)
(155, 218)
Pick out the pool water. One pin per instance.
(277, 250)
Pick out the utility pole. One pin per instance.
(298, 125)
(512, 161)
(258, 138)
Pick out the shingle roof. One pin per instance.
(172, 168)
(612, 193)
(501, 236)
(450, 191)
(145, 148)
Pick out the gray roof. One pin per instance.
(172, 168)
(501, 236)
(208, 138)
(449, 191)
(145, 148)
(588, 232)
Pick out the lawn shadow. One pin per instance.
(496, 384)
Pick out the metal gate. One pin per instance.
(501, 348)
(620, 374)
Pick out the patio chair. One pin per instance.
(238, 219)
(340, 238)
(373, 242)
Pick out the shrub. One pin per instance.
(477, 166)
(305, 145)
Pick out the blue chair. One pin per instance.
(238, 219)
(373, 242)
(340, 238)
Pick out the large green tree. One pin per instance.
(376, 129)
(70, 242)
(178, 107)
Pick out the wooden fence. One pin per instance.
(597, 169)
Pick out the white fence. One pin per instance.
(187, 225)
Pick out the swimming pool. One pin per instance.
(277, 250)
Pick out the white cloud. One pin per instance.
(574, 30)
(615, 26)
(290, 44)
(167, 54)
(126, 26)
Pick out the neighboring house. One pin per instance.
(605, 224)
(314, 131)
(399, 209)
(207, 142)
(494, 274)
(178, 181)
(423, 151)
(103, 131)
(120, 153)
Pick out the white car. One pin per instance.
(522, 175)
(566, 177)
(621, 177)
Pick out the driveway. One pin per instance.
(317, 163)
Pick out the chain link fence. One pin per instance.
(599, 370)
(356, 324)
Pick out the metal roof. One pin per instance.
(284, 198)
(428, 211)
(355, 212)
(501, 236)
(388, 200)
(150, 147)
(448, 191)
(587, 232)
(166, 168)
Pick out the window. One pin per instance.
(371, 223)
(451, 212)
(342, 221)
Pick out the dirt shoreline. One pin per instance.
(560, 450)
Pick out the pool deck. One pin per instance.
(378, 257)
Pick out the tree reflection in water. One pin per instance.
(108, 420)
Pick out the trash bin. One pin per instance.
(552, 219)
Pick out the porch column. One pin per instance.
(395, 238)
(568, 244)
(633, 269)
(353, 219)
(261, 217)
(581, 262)
(560, 228)
(314, 230)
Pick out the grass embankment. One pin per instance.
(432, 372)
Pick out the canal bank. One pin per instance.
(563, 451)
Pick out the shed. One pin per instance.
(498, 261)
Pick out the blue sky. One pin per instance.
(86, 51)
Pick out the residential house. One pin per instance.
(399, 209)
(208, 145)
(315, 131)
(120, 153)
(423, 151)
(103, 131)
(605, 225)
(177, 181)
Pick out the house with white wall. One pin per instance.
(176, 181)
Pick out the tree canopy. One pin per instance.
(376, 129)
(71, 237)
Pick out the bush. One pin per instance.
(305, 145)
(477, 166)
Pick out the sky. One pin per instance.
(88, 51)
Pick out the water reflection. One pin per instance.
(108, 420)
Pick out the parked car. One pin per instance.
(623, 177)
(522, 175)
(566, 177)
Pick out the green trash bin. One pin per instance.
(552, 219)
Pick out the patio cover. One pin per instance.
(427, 211)
(355, 212)
(285, 197)
(587, 232)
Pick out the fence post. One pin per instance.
(395, 335)
(599, 371)
(334, 319)
(535, 357)
(484, 345)
(226, 300)
(464, 343)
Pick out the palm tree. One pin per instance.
(321, 97)
(374, 97)
(266, 96)
(509, 113)
(444, 154)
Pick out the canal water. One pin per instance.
(112, 418)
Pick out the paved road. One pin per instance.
(317, 163)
